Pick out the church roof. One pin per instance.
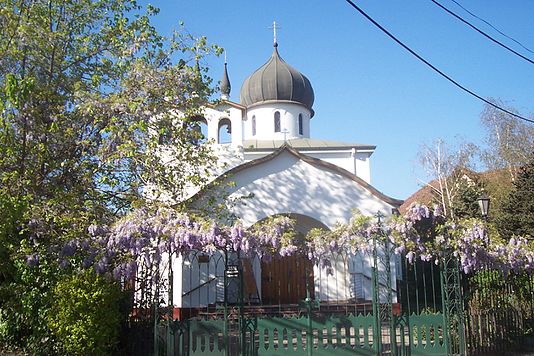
(277, 81)
(302, 144)
(308, 159)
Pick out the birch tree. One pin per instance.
(509, 141)
(451, 176)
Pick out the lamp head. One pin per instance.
(483, 203)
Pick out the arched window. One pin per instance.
(301, 128)
(277, 121)
(225, 131)
(198, 125)
(253, 125)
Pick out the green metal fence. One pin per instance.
(329, 335)
(422, 308)
(415, 311)
(497, 312)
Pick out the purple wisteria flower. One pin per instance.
(69, 249)
(32, 260)
(143, 239)
(417, 212)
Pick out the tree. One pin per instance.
(89, 89)
(509, 141)
(454, 185)
(469, 189)
(517, 215)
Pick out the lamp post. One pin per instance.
(484, 203)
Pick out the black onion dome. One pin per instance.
(277, 81)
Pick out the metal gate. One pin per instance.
(417, 311)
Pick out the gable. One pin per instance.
(290, 182)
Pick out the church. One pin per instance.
(272, 160)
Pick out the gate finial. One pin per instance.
(379, 215)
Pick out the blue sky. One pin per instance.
(367, 88)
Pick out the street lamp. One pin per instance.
(483, 203)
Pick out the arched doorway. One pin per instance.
(285, 280)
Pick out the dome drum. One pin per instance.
(294, 121)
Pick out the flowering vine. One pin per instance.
(143, 237)
(426, 234)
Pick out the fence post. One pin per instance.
(156, 338)
(170, 305)
(459, 301)
(452, 306)
(309, 311)
(156, 312)
(225, 333)
(377, 333)
(383, 309)
(444, 307)
(242, 324)
(387, 261)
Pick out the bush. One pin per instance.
(85, 314)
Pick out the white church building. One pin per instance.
(273, 159)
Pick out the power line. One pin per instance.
(433, 67)
(493, 27)
(483, 33)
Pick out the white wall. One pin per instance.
(363, 166)
(214, 115)
(353, 161)
(287, 184)
(264, 114)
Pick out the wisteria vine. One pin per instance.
(143, 237)
(426, 234)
